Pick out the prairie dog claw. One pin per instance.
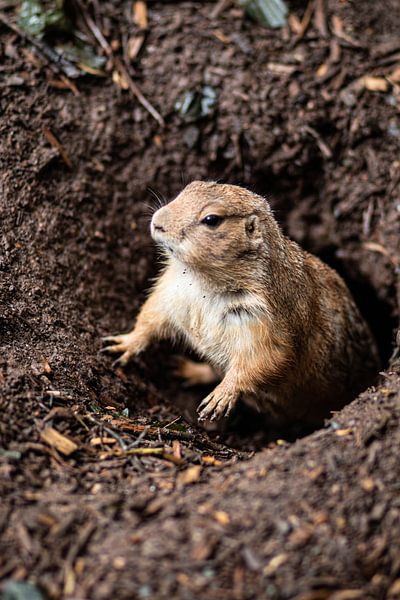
(127, 344)
(217, 405)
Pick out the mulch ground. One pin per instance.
(109, 489)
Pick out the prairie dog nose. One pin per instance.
(158, 223)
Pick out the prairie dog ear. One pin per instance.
(252, 226)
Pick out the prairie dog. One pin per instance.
(274, 324)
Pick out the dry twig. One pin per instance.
(119, 66)
(51, 138)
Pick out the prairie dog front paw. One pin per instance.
(129, 344)
(218, 404)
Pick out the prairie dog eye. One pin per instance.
(212, 220)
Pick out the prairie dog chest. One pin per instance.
(213, 323)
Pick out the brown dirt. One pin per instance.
(241, 514)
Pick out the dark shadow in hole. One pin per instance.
(246, 430)
(377, 312)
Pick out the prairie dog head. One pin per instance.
(210, 226)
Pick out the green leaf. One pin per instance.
(193, 105)
(82, 54)
(19, 590)
(270, 13)
(37, 20)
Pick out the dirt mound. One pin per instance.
(146, 504)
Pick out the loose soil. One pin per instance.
(149, 505)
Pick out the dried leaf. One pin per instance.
(139, 10)
(294, 23)
(189, 476)
(394, 590)
(46, 366)
(120, 80)
(58, 441)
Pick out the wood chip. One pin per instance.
(210, 460)
(221, 517)
(280, 69)
(343, 432)
(374, 84)
(177, 449)
(99, 441)
(300, 536)
(322, 70)
(274, 564)
(368, 484)
(134, 46)
(335, 51)
(395, 75)
(60, 442)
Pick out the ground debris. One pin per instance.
(313, 514)
(58, 441)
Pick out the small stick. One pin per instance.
(51, 138)
(320, 18)
(119, 65)
(139, 438)
(110, 432)
(306, 20)
(219, 8)
(324, 148)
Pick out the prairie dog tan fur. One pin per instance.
(276, 325)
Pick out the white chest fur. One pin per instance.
(216, 325)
